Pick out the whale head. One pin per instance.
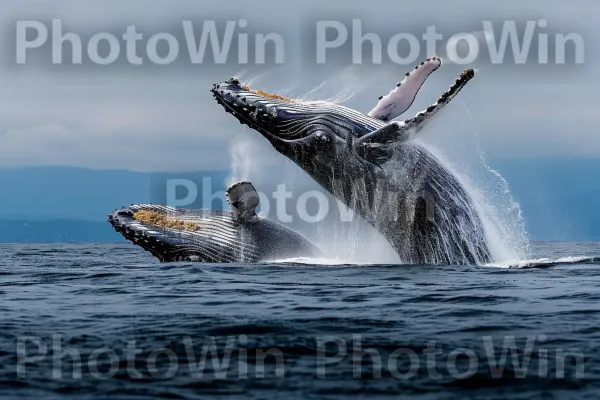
(172, 234)
(319, 136)
(327, 140)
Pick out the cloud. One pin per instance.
(166, 119)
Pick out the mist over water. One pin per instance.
(241, 164)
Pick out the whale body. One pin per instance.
(216, 236)
(373, 166)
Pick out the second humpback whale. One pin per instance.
(373, 166)
(175, 234)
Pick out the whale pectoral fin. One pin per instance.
(401, 98)
(424, 116)
(244, 200)
(376, 147)
(393, 132)
(397, 132)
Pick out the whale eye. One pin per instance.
(322, 137)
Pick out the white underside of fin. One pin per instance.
(400, 99)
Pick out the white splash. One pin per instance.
(501, 215)
(313, 261)
(241, 161)
(543, 262)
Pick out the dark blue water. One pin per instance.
(140, 328)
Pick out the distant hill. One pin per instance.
(559, 198)
(56, 204)
(25, 231)
(82, 194)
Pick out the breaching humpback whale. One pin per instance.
(372, 165)
(239, 235)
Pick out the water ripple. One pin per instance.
(109, 296)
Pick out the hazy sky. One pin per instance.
(153, 118)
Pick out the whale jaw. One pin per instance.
(173, 235)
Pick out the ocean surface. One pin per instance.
(111, 322)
